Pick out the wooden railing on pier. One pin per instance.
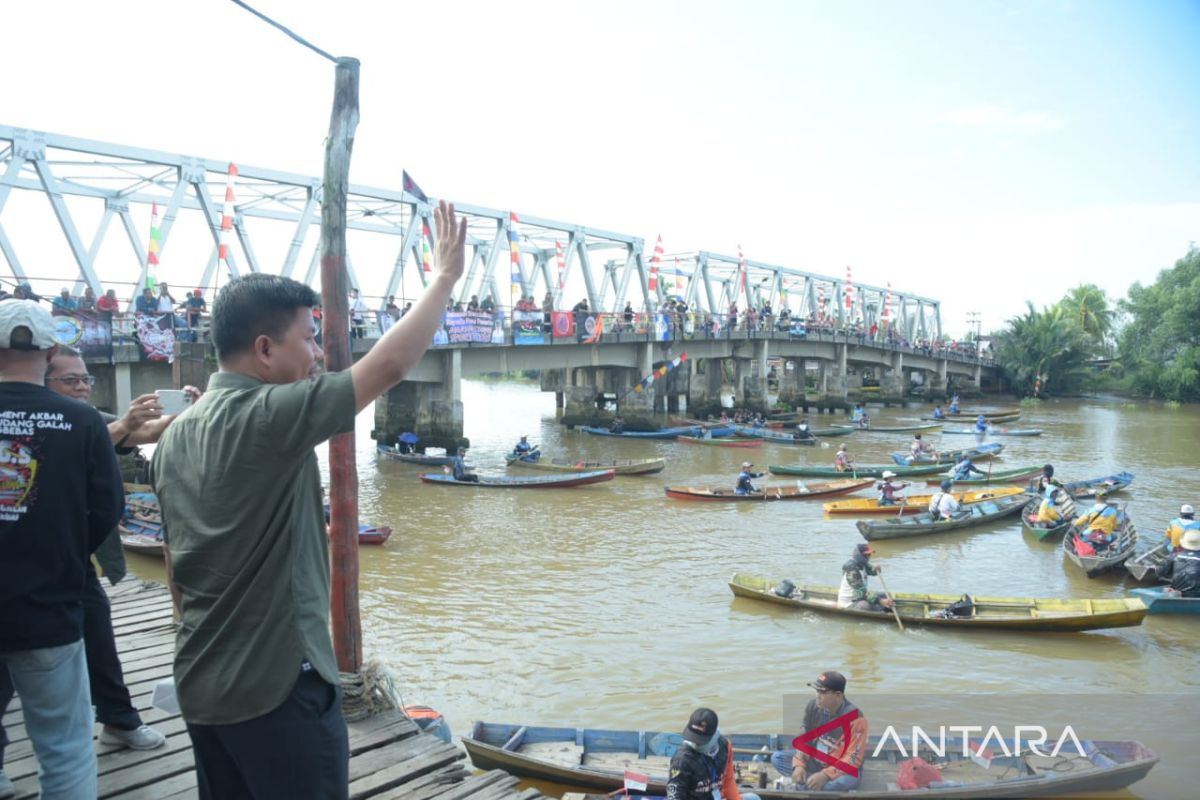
(390, 757)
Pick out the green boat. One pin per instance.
(1014, 475)
(859, 471)
(873, 428)
(1044, 530)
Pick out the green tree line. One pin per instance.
(1151, 339)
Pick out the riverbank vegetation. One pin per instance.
(1147, 343)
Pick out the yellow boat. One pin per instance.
(1001, 613)
(916, 503)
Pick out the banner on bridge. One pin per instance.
(89, 332)
(527, 327)
(465, 327)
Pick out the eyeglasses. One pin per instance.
(76, 380)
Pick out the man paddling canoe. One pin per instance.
(853, 591)
(842, 461)
(744, 483)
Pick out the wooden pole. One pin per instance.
(343, 475)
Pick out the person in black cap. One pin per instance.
(745, 484)
(853, 591)
(829, 704)
(1047, 481)
(702, 767)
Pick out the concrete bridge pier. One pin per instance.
(892, 386)
(704, 383)
(750, 378)
(937, 387)
(832, 384)
(433, 411)
(791, 382)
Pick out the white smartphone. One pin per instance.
(174, 401)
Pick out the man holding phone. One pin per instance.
(237, 479)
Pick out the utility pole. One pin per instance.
(975, 320)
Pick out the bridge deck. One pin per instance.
(389, 756)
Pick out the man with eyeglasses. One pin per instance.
(807, 772)
(60, 496)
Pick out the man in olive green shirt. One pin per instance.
(237, 480)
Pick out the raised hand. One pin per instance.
(451, 242)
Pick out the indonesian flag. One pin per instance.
(979, 754)
(636, 782)
(655, 260)
(849, 290)
(887, 301)
(562, 262)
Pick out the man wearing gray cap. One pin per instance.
(60, 495)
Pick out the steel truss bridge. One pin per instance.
(606, 267)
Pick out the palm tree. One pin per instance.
(1043, 350)
(1088, 306)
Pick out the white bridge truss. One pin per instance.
(608, 268)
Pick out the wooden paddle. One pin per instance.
(888, 594)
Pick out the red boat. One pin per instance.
(721, 441)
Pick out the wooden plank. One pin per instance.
(373, 761)
(399, 773)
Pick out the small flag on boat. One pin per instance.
(979, 754)
(636, 782)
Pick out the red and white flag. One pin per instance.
(562, 262)
(655, 261)
(979, 754)
(849, 290)
(745, 278)
(636, 782)
(227, 220)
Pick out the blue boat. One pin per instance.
(522, 482)
(993, 431)
(977, 453)
(1109, 483)
(1159, 601)
(596, 760)
(662, 433)
(423, 459)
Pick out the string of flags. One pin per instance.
(646, 382)
(514, 246)
(426, 238)
(155, 248)
(562, 263)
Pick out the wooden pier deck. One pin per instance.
(389, 756)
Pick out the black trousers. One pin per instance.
(109, 695)
(300, 750)
(6, 694)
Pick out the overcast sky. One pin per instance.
(983, 153)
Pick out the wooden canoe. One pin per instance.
(1116, 555)
(1014, 475)
(423, 459)
(1160, 601)
(858, 471)
(994, 431)
(1109, 483)
(777, 437)
(915, 504)
(1143, 565)
(1044, 530)
(873, 428)
(1003, 613)
(971, 416)
(801, 491)
(595, 760)
(949, 457)
(621, 466)
(511, 482)
(664, 433)
(721, 441)
(922, 524)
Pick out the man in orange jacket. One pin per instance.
(830, 704)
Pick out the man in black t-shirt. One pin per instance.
(60, 495)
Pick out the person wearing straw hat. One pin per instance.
(1182, 568)
(852, 593)
(744, 482)
(1179, 527)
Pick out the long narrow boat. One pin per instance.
(923, 523)
(621, 466)
(1161, 601)
(510, 482)
(1046, 530)
(873, 428)
(662, 433)
(1143, 565)
(1109, 483)
(596, 760)
(777, 437)
(977, 453)
(970, 416)
(994, 431)
(769, 493)
(392, 454)
(1003, 613)
(858, 471)
(1110, 558)
(722, 441)
(1014, 475)
(915, 504)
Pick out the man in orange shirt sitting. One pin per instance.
(807, 772)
